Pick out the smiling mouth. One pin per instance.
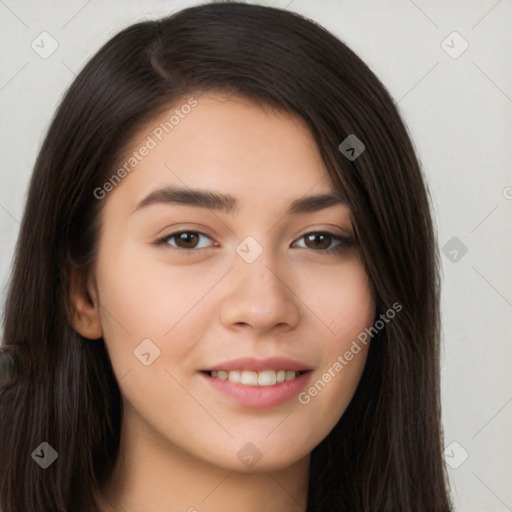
(251, 378)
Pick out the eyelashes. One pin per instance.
(342, 243)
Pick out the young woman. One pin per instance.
(225, 293)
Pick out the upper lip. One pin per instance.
(257, 365)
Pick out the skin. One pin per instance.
(180, 436)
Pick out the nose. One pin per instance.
(259, 296)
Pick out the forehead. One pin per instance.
(229, 144)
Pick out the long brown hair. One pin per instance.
(385, 453)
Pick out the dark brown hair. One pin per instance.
(385, 453)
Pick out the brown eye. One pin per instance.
(323, 241)
(187, 240)
(318, 240)
(183, 240)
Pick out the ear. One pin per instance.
(86, 307)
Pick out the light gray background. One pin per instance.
(459, 112)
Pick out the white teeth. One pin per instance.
(234, 376)
(267, 378)
(289, 376)
(249, 378)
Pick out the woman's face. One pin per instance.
(250, 289)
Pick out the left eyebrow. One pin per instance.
(228, 203)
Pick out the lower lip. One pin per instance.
(260, 397)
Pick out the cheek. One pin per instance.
(329, 394)
(346, 308)
(343, 308)
(142, 298)
(147, 297)
(340, 302)
(147, 308)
